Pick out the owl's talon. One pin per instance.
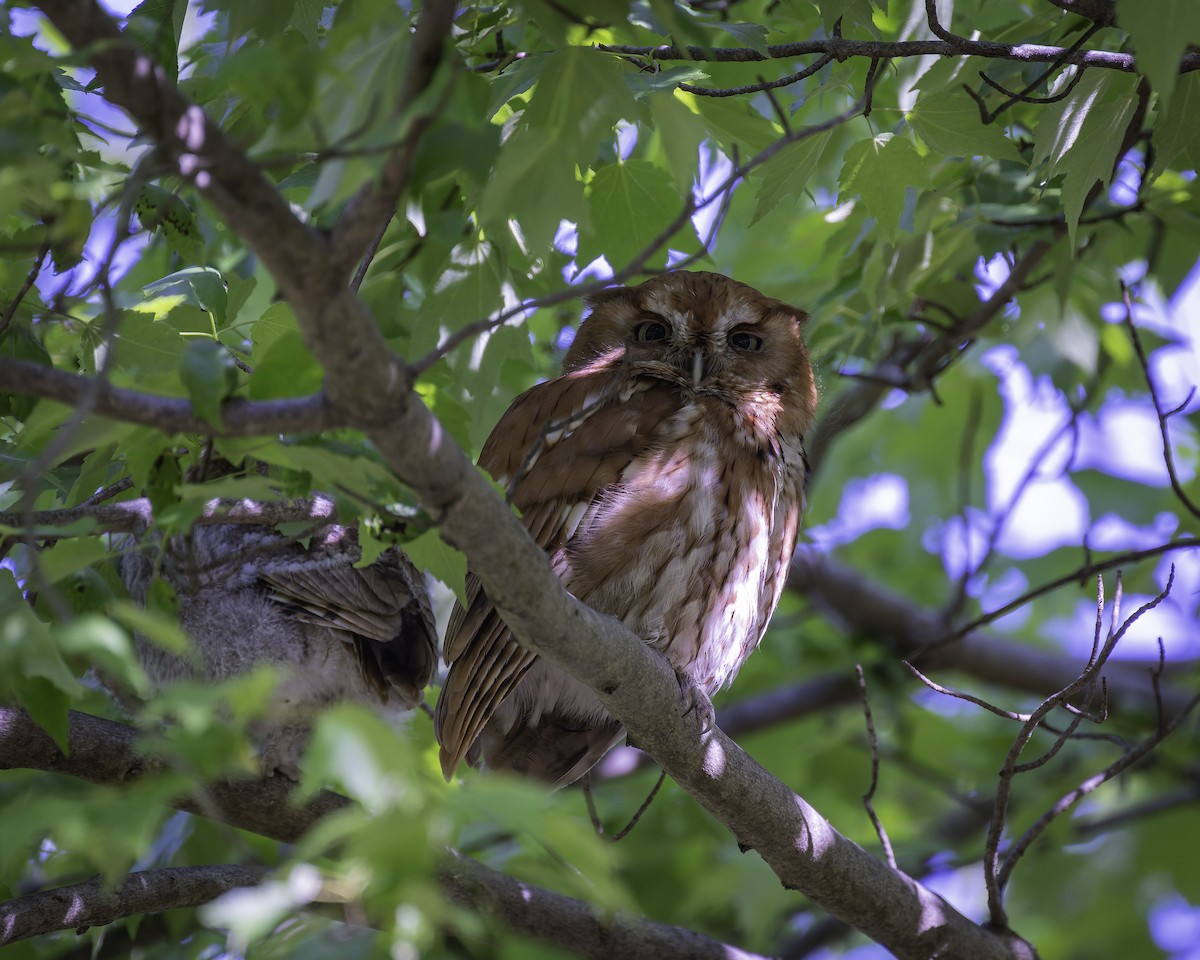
(697, 700)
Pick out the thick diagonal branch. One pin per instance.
(634, 682)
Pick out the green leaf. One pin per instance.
(306, 17)
(629, 204)
(680, 133)
(26, 648)
(103, 643)
(785, 176)
(1060, 124)
(1081, 136)
(430, 552)
(879, 170)
(99, 469)
(446, 406)
(855, 15)
(646, 83)
(286, 369)
(275, 321)
(736, 124)
(271, 77)
(72, 556)
(147, 350)
(752, 35)
(369, 543)
(516, 80)
(48, 706)
(469, 288)
(534, 183)
(950, 124)
(357, 751)
(156, 26)
(210, 375)
(158, 208)
(1160, 31)
(580, 96)
(202, 287)
(163, 480)
(1176, 133)
(266, 17)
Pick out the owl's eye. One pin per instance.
(741, 340)
(650, 331)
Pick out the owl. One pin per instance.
(250, 596)
(663, 472)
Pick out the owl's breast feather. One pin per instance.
(683, 547)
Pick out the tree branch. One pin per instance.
(132, 515)
(633, 682)
(572, 924)
(95, 903)
(102, 752)
(299, 257)
(239, 418)
(872, 610)
(841, 48)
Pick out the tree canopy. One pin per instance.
(325, 244)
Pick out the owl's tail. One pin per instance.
(555, 749)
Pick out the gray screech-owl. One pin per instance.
(250, 596)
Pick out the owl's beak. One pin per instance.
(697, 366)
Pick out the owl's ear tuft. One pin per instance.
(608, 296)
(799, 317)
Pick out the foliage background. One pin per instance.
(967, 454)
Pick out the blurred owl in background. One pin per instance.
(663, 472)
(250, 596)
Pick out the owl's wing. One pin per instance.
(382, 610)
(559, 447)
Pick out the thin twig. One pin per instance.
(995, 876)
(873, 743)
(763, 85)
(1023, 95)
(11, 310)
(1183, 797)
(1091, 568)
(621, 834)
(369, 254)
(966, 467)
(1163, 416)
(1068, 800)
(969, 698)
(633, 821)
(1156, 682)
